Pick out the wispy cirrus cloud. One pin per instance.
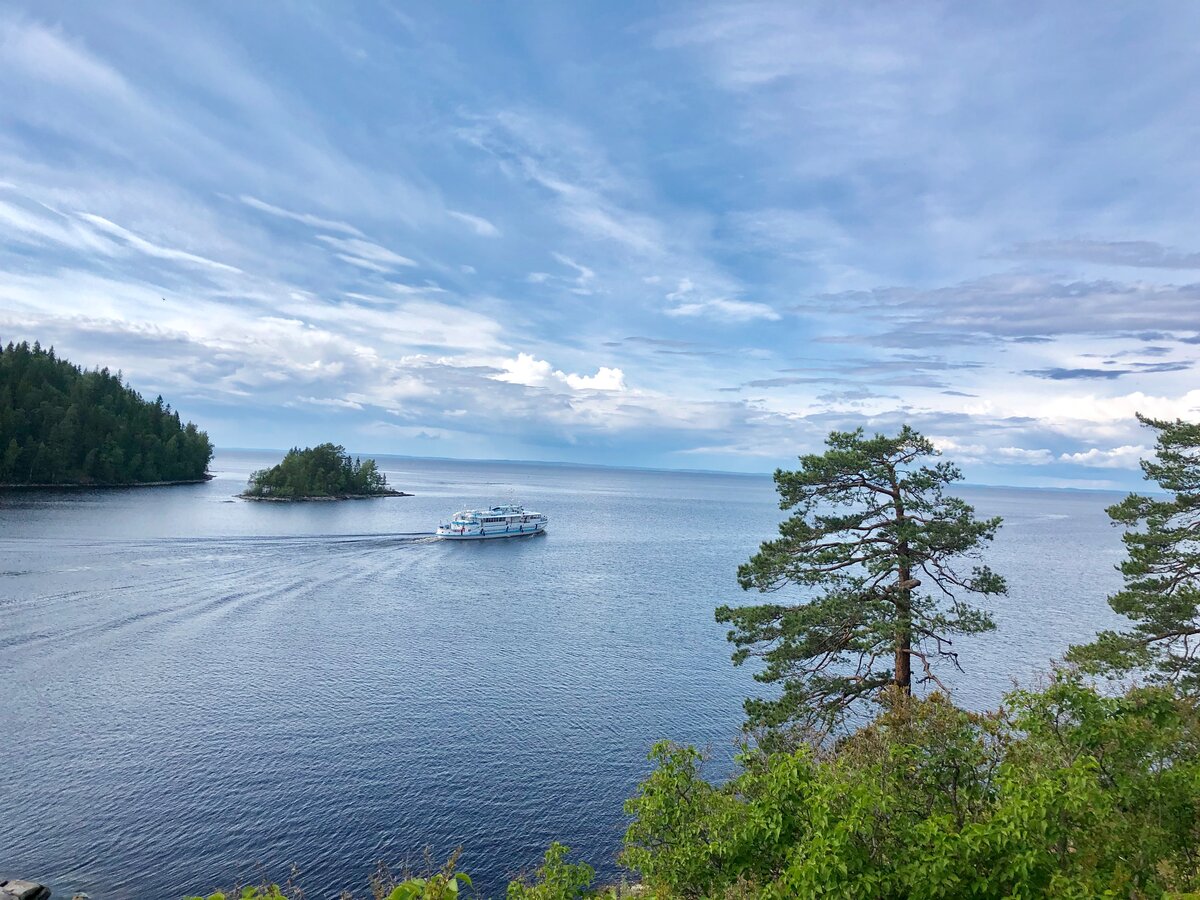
(46, 54)
(1017, 306)
(1138, 254)
(1060, 374)
(301, 217)
(725, 309)
(149, 248)
(366, 254)
(478, 224)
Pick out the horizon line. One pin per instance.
(584, 465)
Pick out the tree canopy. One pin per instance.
(872, 558)
(1064, 793)
(60, 424)
(1162, 570)
(322, 471)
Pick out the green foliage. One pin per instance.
(322, 471)
(1162, 571)
(1066, 794)
(62, 425)
(266, 892)
(555, 879)
(443, 886)
(670, 840)
(873, 548)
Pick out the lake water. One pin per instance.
(195, 689)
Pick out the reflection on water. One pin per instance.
(191, 688)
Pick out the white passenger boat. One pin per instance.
(497, 522)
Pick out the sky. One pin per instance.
(686, 235)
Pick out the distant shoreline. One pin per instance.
(322, 498)
(106, 485)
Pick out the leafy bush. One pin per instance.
(442, 884)
(1066, 793)
(555, 879)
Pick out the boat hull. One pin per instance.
(491, 536)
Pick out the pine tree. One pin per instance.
(60, 424)
(1161, 595)
(870, 562)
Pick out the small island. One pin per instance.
(63, 426)
(324, 472)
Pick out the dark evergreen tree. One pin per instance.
(60, 424)
(871, 557)
(1162, 572)
(322, 471)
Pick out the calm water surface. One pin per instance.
(195, 689)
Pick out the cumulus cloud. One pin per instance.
(605, 379)
(1126, 457)
(1038, 457)
(527, 370)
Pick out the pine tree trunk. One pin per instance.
(903, 671)
(904, 632)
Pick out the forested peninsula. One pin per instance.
(324, 472)
(61, 425)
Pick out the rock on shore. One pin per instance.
(16, 889)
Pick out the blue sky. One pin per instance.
(694, 235)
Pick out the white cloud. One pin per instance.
(1038, 457)
(305, 218)
(958, 450)
(47, 55)
(726, 309)
(365, 253)
(152, 249)
(363, 263)
(526, 369)
(47, 226)
(479, 225)
(584, 277)
(1126, 457)
(336, 402)
(605, 379)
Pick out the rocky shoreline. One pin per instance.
(323, 498)
(16, 889)
(80, 485)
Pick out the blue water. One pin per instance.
(195, 689)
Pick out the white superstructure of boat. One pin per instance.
(497, 522)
